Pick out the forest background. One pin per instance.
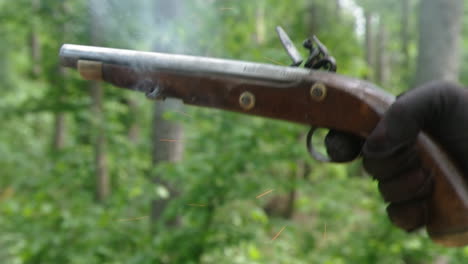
(94, 174)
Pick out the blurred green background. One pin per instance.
(94, 174)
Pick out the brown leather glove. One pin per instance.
(441, 110)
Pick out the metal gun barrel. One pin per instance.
(153, 61)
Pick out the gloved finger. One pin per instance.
(385, 168)
(396, 131)
(415, 184)
(343, 146)
(383, 164)
(408, 216)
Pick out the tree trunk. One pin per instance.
(404, 31)
(381, 67)
(313, 18)
(167, 136)
(59, 117)
(59, 131)
(134, 129)
(164, 150)
(34, 42)
(439, 40)
(368, 46)
(260, 23)
(99, 137)
(337, 10)
(283, 205)
(100, 142)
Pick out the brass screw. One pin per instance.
(247, 100)
(318, 91)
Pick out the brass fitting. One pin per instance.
(318, 91)
(247, 100)
(90, 70)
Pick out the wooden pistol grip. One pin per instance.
(447, 210)
(447, 219)
(448, 206)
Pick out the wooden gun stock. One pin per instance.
(297, 95)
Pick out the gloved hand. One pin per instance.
(441, 110)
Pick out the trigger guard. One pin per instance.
(312, 151)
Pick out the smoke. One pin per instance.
(168, 26)
(177, 26)
(123, 23)
(184, 26)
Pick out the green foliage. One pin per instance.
(48, 213)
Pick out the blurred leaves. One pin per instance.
(48, 212)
